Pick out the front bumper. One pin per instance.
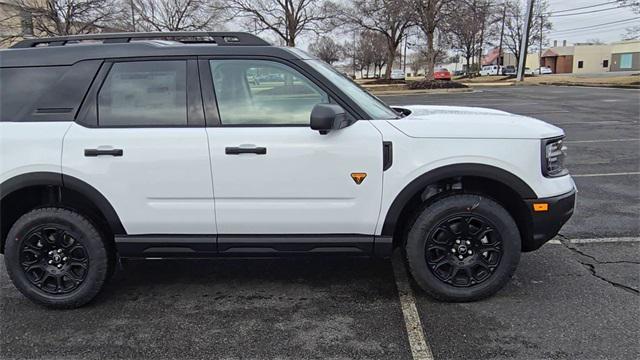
(547, 224)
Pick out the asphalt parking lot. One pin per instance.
(575, 298)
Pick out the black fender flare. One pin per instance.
(450, 171)
(68, 182)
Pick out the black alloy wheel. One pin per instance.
(462, 247)
(463, 250)
(56, 257)
(53, 259)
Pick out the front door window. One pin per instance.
(261, 92)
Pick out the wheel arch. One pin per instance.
(481, 174)
(50, 187)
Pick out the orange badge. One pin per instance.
(358, 177)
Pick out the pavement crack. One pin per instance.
(592, 269)
(565, 241)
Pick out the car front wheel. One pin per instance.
(463, 248)
(56, 257)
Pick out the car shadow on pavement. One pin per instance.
(231, 308)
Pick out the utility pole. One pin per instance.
(354, 55)
(133, 16)
(525, 41)
(406, 39)
(504, 14)
(540, 47)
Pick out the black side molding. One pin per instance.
(295, 244)
(166, 246)
(210, 246)
(387, 155)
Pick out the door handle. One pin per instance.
(243, 150)
(99, 152)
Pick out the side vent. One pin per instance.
(387, 155)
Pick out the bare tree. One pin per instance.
(431, 17)
(65, 17)
(370, 50)
(632, 32)
(633, 4)
(173, 15)
(514, 25)
(288, 19)
(390, 18)
(483, 14)
(465, 29)
(326, 49)
(418, 62)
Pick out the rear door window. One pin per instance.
(144, 94)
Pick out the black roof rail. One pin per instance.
(219, 38)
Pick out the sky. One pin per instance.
(565, 27)
(605, 33)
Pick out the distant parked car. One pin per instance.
(253, 80)
(509, 70)
(489, 70)
(270, 78)
(397, 74)
(458, 72)
(442, 74)
(544, 70)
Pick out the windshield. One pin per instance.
(369, 103)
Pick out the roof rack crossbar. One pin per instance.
(219, 38)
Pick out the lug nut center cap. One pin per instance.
(462, 249)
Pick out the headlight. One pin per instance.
(553, 154)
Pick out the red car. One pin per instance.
(442, 74)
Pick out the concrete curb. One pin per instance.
(491, 84)
(613, 86)
(419, 91)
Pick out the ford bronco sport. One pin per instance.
(162, 145)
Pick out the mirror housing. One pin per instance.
(327, 117)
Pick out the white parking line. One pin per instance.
(607, 174)
(597, 141)
(596, 240)
(420, 349)
(589, 122)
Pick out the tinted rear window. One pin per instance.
(20, 87)
(144, 93)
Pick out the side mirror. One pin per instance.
(327, 117)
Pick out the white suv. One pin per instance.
(112, 148)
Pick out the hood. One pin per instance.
(471, 122)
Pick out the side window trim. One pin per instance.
(209, 100)
(88, 113)
(212, 113)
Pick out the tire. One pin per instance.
(56, 258)
(479, 265)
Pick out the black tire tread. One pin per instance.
(101, 267)
(416, 265)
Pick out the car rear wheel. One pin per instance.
(56, 257)
(463, 248)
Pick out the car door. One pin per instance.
(272, 174)
(140, 141)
